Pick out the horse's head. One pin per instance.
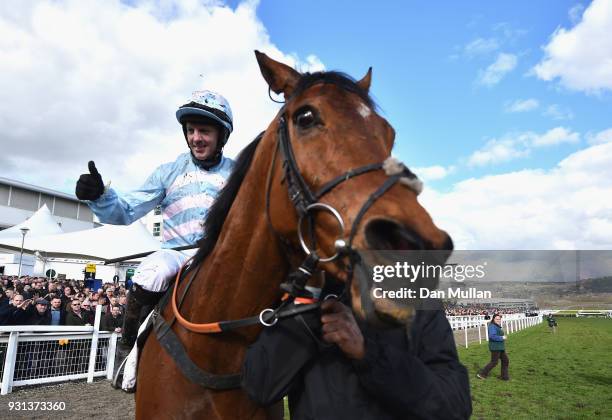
(331, 146)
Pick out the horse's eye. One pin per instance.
(305, 118)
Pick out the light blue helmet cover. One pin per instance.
(208, 104)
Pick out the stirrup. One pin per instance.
(115, 383)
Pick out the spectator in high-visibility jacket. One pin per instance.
(497, 346)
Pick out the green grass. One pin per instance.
(567, 375)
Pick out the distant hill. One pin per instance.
(587, 293)
(598, 285)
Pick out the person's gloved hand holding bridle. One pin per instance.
(90, 186)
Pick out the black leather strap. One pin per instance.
(346, 176)
(171, 344)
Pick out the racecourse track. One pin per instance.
(82, 400)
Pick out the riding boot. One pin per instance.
(137, 299)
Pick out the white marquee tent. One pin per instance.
(103, 243)
(40, 223)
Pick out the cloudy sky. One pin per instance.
(504, 109)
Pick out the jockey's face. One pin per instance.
(202, 139)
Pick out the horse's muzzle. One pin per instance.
(386, 234)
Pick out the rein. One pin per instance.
(267, 317)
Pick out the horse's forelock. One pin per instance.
(335, 78)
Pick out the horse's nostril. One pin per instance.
(448, 243)
(385, 234)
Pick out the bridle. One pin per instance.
(306, 203)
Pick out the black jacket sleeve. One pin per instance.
(5, 311)
(410, 377)
(288, 341)
(19, 316)
(428, 382)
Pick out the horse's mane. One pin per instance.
(221, 206)
(337, 78)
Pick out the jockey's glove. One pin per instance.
(90, 186)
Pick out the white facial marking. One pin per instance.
(364, 110)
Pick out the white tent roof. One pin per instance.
(106, 242)
(39, 224)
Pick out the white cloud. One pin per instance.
(509, 33)
(433, 173)
(555, 136)
(101, 80)
(575, 13)
(565, 207)
(581, 57)
(517, 145)
(522, 105)
(556, 112)
(498, 150)
(480, 46)
(493, 74)
(604, 136)
(313, 64)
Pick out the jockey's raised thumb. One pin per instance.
(92, 168)
(90, 186)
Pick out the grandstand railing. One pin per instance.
(32, 355)
(510, 323)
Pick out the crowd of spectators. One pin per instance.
(458, 309)
(41, 301)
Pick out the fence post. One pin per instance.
(465, 333)
(94, 345)
(479, 332)
(486, 331)
(9, 363)
(110, 361)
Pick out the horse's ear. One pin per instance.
(280, 77)
(365, 82)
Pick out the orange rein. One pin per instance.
(213, 327)
(210, 328)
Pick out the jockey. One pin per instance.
(185, 189)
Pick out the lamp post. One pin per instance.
(24, 231)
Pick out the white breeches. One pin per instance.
(156, 271)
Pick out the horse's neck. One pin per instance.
(241, 276)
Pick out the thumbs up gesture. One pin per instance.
(90, 186)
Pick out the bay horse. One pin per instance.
(333, 141)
